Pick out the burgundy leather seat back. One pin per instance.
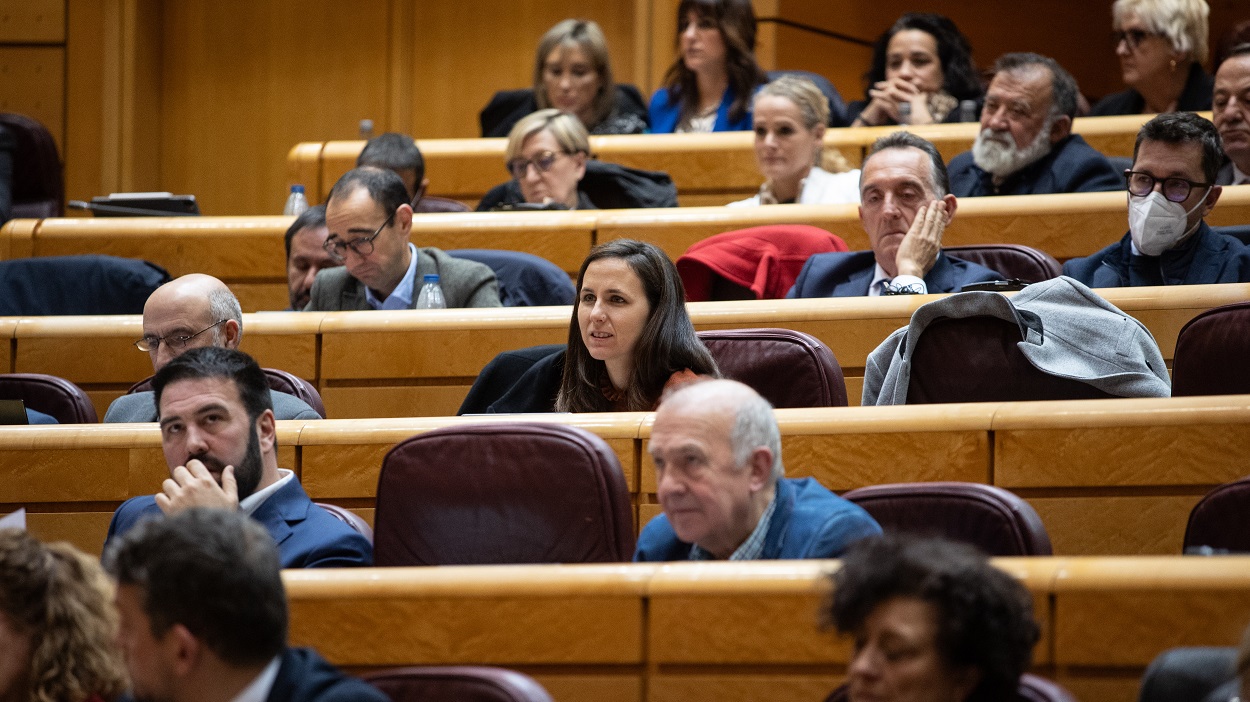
(502, 493)
(1212, 351)
(432, 203)
(1032, 689)
(350, 518)
(1012, 260)
(1220, 519)
(459, 683)
(996, 521)
(279, 380)
(51, 395)
(38, 184)
(975, 359)
(789, 368)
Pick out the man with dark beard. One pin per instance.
(1026, 145)
(220, 443)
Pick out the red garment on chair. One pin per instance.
(765, 259)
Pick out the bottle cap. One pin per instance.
(297, 189)
(430, 278)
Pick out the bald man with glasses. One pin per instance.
(1171, 189)
(370, 223)
(187, 313)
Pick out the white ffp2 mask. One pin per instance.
(1156, 223)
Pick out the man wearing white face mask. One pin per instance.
(1171, 188)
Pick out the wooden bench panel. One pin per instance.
(491, 615)
(695, 627)
(1125, 611)
(720, 165)
(1137, 507)
(341, 460)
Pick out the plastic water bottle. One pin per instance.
(431, 296)
(296, 203)
(904, 113)
(968, 111)
(366, 129)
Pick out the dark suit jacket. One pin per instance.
(307, 536)
(464, 283)
(1072, 166)
(850, 274)
(808, 522)
(1195, 97)
(1207, 257)
(304, 676)
(522, 380)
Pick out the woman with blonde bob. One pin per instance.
(546, 155)
(1161, 45)
(790, 118)
(573, 73)
(57, 624)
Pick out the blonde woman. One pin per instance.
(790, 118)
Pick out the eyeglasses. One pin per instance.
(363, 246)
(152, 343)
(1132, 37)
(1140, 184)
(518, 167)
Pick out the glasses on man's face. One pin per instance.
(363, 246)
(1140, 184)
(1131, 37)
(543, 161)
(173, 341)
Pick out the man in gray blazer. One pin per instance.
(370, 223)
(186, 313)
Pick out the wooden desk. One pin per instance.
(422, 363)
(1070, 460)
(685, 631)
(708, 169)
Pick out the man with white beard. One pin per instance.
(1026, 145)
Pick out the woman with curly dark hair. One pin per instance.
(709, 86)
(922, 66)
(932, 621)
(57, 624)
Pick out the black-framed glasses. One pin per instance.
(173, 341)
(543, 161)
(1131, 37)
(1140, 184)
(363, 246)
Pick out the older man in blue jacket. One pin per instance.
(717, 453)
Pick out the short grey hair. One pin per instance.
(1185, 23)
(938, 177)
(755, 425)
(222, 304)
(1063, 89)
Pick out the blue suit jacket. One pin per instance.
(1208, 257)
(849, 275)
(808, 522)
(304, 676)
(307, 536)
(1072, 166)
(664, 114)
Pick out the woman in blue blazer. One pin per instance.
(709, 86)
